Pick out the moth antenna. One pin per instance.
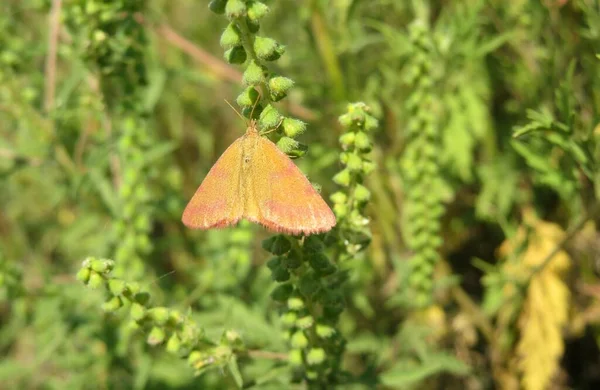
(273, 129)
(237, 112)
(254, 106)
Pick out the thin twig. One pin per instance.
(258, 354)
(50, 80)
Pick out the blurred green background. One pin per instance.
(466, 252)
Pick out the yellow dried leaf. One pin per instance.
(545, 306)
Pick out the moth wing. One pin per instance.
(218, 202)
(286, 200)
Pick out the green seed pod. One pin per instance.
(347, 140)
(217, 6)
(309, 285)
(361, 193)
(279, 87)
(342, 178)
(282, 292)
(295, 357)
(231, 37)
(313, 244)
(236, 55)
(142, 298)
(293, 127)
(354, 163)
(83, 275)
(112, 305)
(254, 74)
(269, 118)
(277, 245)
(362, 141)
(293, 260)
(267, 49)
(367, 167)
(289, 319)
(311, 375)
(96, 280)
(137, 312)
(287, 144)
(340, 210)
(346, 120)
(305, 322)
(253, 25)
(325, 331)
(280, 274)
(159, 314)
(156, 336)
(116, 286)
(257, 10)
(338, 197)
(102, 266)
(274, 262)
(174, 344)
(315, 356)
(370, 123)
(295, 303)
(235, 9)
(299, 340)
(248, 97)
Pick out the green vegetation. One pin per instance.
(458, 144)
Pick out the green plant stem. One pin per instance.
(327, 51)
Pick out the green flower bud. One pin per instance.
(269, 118)
(156, 336)
(295, 357)
(254, 74)
(361, 193)
(345, 120)
(299, 340)
(325, 331)
(293, 260)
(338, 197)
(159, 314)
(347, 139)
(248, 97)
(83, 275)
(217, 6)
(102, 266)
(257, 10)
(274, 262)
(315, 356)
(277, 245)
(96, 280)
(305, 322)
(295, 303)
(342, 178)
(311, 375)
(354, 163)
(282, 292)
(309, 285)
(253, 25)
(174, 344)
(367, 167)
(116, 286)
(289, 319)
(320, 263)
(235, 9)
(287, 144)
(142, 298)
(370, 123)
(231, 37)
(279, 87)
(112, 304)
(313, 244)
(280, 274)
(293, 127)
(267, 49)
(340, 210)
(236, 55)
(362, 141)
(137, 312)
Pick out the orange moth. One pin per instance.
(256, 181)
